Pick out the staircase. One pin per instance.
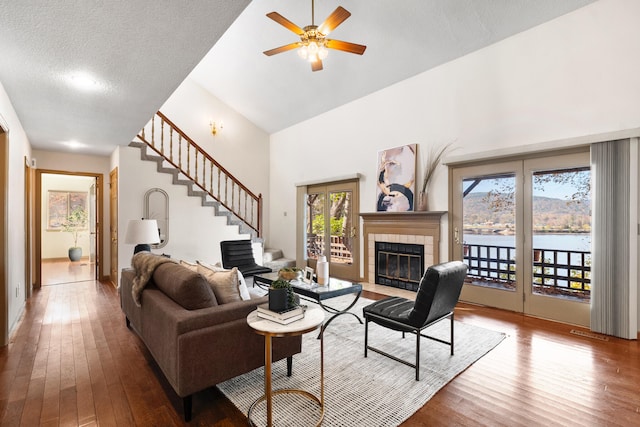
(179, 179)
(178, 155)
(275, 260)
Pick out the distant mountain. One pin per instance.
(549, 214)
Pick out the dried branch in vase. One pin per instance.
(433, 161)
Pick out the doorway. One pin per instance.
(524, 229)
(331, 227)
(4, 236)
(113, 225)
(68, 218)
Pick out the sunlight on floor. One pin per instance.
(55, 272)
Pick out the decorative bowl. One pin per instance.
(289, 273)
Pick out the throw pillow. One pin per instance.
(185, 287)
(242, 284)
(244, 291)
(190, 265)
(223, 283)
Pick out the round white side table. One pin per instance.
(313, 319)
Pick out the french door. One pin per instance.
(523, 228)
(331, 227)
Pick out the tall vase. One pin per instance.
(422, 204)
(322, 271)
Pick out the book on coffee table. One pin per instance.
(282, 315)
(281, 321)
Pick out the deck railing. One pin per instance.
(171, 143)
(339, 250)
(555, 271)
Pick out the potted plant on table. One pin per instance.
(281, 295)
(75, 222)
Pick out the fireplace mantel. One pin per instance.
(403, 216)
(402, 227)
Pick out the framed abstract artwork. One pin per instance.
(396, 175)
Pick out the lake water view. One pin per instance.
(574, 241)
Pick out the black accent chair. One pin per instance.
(436, 297)
(239, 253)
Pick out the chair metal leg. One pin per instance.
(452, 333)
(366, 334)
(418, 335)
(404, 328)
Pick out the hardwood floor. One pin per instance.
(72, 361)
(55, 272)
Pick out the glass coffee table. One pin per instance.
(317, 294)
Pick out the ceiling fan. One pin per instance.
(313, 43)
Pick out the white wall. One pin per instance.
(574, 76)
(19, 148)
(56, 243)
(195, 232)
(69, 162)
(240, 147)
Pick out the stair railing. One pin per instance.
(171, 143)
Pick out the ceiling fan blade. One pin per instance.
(316, 65)
(281, 49)
(336, 18)
(346, 46)
(285, 23)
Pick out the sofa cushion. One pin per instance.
(223, 283)
(242, 284)
(185, 287)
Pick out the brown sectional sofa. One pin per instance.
(199, 347)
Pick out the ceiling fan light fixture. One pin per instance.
(322, 52)
(313, 45)
(313, 48)
(303, 52)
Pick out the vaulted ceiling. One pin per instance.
(94, 72)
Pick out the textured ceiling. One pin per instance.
(140, 51)
(137, 51)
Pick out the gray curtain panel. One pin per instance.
(610, 290)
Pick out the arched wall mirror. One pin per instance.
(156, 206)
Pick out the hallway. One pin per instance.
(56, 272)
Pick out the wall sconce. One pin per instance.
(215, 128)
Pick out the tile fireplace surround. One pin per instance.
(401, 227)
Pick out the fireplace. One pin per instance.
(421, 229)
(400, 265)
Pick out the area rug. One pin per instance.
(359, 391)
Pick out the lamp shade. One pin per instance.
(142, 231)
